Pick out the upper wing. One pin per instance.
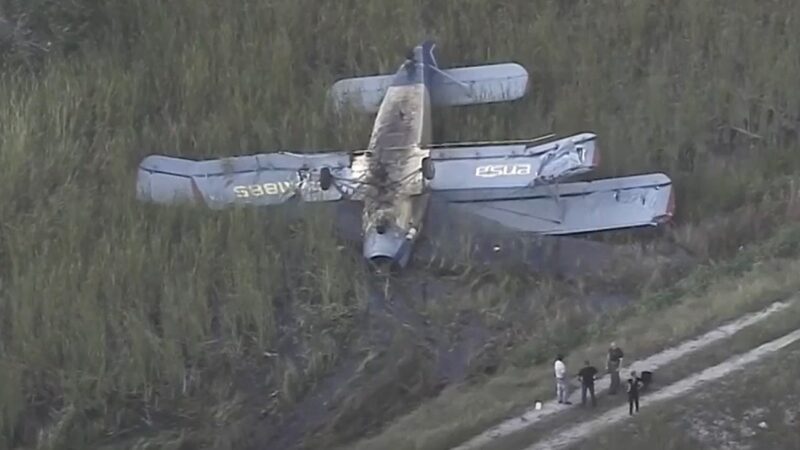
(511, 165)
(572, 208)
(262, 179)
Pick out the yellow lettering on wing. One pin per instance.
(502, 170)
(241, 191)
(260, 190)
(256, 190)
(271, 188)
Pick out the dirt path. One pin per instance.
(572, 435)
(551, 408)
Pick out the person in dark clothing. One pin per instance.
(634, 383)
(587, 375)
(613, 365)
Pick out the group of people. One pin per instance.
(588, 375)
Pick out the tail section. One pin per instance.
(473, 85)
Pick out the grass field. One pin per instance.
(120, 318)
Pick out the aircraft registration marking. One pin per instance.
(272, 188)
(502, 170)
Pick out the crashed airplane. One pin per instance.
(391, 191)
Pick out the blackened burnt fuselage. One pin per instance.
(396, 205)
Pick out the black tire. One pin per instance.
(325, 178)
(428, 172)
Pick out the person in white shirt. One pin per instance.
(562, 387)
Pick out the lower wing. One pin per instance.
(527, 228)
(572, 208)
(263, 179)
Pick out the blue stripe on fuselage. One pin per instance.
(417, 70)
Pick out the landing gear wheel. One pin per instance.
(325, 178)
(428, 171)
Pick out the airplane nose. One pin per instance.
(382, 243)
(385, 246)
(382, 264)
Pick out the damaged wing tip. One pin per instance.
(670, 211)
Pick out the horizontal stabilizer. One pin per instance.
(572, 208)
(362, 93)
(449, 87)
(479, 84)
(263, 179)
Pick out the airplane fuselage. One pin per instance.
(394, 210)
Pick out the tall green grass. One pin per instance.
(112, 310)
